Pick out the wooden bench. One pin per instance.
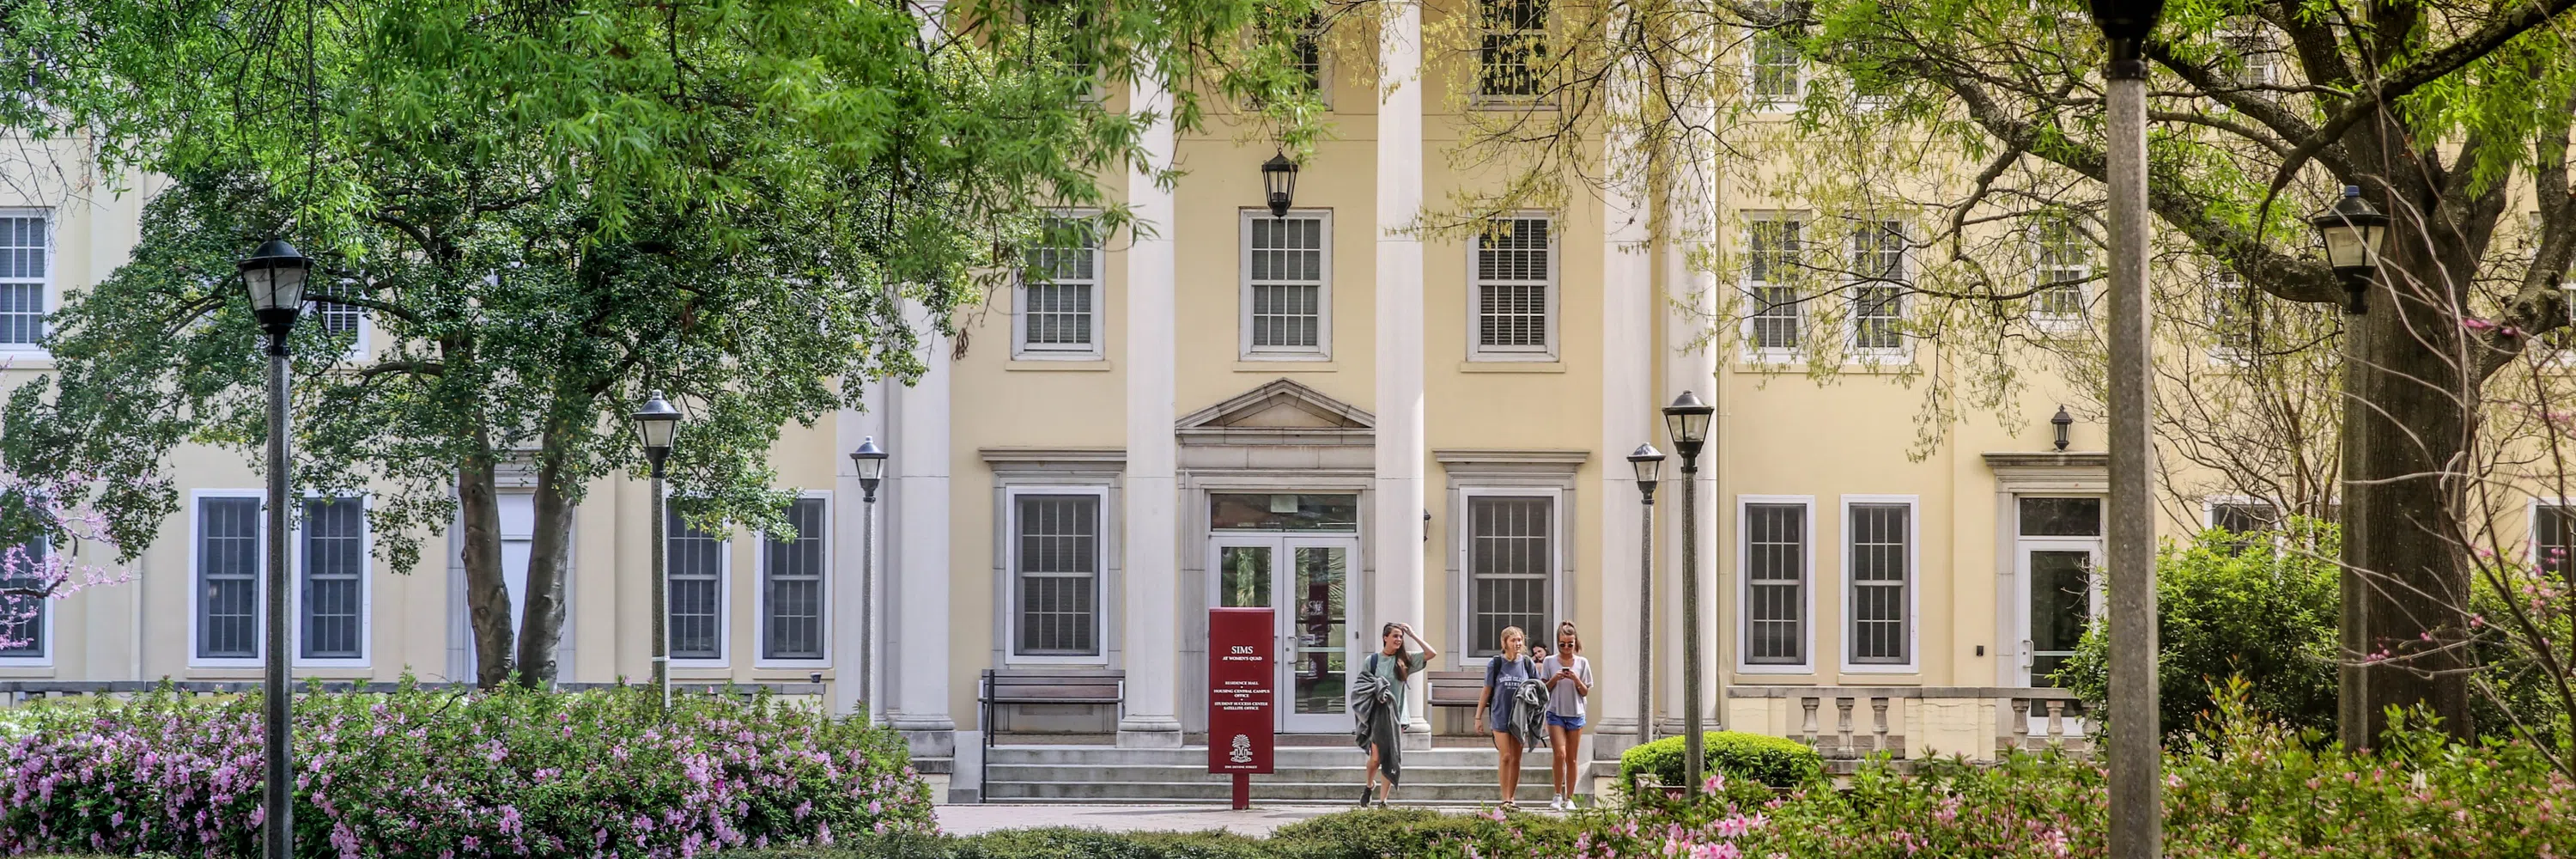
(1456, 688)
(1004, 686)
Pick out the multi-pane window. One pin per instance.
(1059, 301)
(1514, 52)
(1284, 271)
(333, 603)
(2231, 315)
(1770, 266)
(1775, 584)
(1511, 568)
(1515, 287)
(1882, 560)
(228, 578)
(694, 563)
(2553, 538)
(1778, 79)
(2065, 262)
(791, 574)
(1056, 573)
(336, 318)
(25, 251)
(1306, 52)
(1878, 293)
(2251, 44)
(22, 615)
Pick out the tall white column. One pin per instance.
(1628, 318)
(1691, 195)
(1398, 538)
(916, 633)
(1150, 625)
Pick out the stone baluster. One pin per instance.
(1809, 704)
(1843, 726)
(2019, 719)
(1878, 714)
(2056, 721)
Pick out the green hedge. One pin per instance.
(1371, 834)
(1775, 761)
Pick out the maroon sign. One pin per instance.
(1241, 724)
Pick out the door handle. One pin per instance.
(2027, 657)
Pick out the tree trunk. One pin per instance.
(2406, 579)
(487, 593)
(541, 631)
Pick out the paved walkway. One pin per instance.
(1257, 821)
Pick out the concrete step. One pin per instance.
(1531, 793)
(1197, 755)
(1414, 773)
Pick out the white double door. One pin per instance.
(1306, 580)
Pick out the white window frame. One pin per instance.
(1011, 575)
(1021, 349)
(196, 580)
(2209, 507)
(2531, 526)
(366, 585)
(2236, 34)
(2220, 281)
(1323, 348)
(2036, 238)
(358, 343)
(1744, 587)
(760, 596)
(45, 616)
(1750, 289)
(1314, 35)
(1903, 351)
(1913, 587)
(1481, 98)
(1799, 77)
(1553, 292)
(47, 287)
(724, 598)
(1465, 615)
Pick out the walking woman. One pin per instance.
(1510, 707)
(1569, 681)
(1377, 705)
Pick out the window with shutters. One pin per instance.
(695, 564)
(1878, 289)
(2064, 263)
(24, 638)
(1514, 295)
(26, 272)
(2553, 537)
(1287, 285)
(791, 584)
(1880, 568)
(1059, 294)
(1774, 322)
(331, 598)
(1056, 558)
(1511, 566)
(1776, 563)
(1512, 60)
(227, 578)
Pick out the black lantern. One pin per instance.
(1687, 420)
(2127, 19)
(871, 461)
(275, 274)
(1279, 181)
(2062, 424)
(2355, 234)
(1649, 465)
(656, 423)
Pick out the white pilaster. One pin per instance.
(1149, 627)
(1628, 319)
(915, 658)
(1397, 537)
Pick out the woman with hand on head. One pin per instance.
(1377, 703)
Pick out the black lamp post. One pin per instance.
(275, 274)
(870, 461)
(1686, 420)
(1279, 183)
(1649, 465)
(2355, 234)
(656, 424)
(2062, 425)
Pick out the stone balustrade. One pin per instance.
(1849, 723)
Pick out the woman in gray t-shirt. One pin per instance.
(1569, 681)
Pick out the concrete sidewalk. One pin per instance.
(1259, 820)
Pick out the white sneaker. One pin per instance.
(1556, 804)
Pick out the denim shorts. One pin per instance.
(1570, 723)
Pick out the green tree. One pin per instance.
(546, 209)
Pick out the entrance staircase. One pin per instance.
(1304, 775)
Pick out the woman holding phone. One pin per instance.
(1569, 681)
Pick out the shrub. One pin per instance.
(437, 776)
(1775, 761)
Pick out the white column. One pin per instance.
(1399, 546)
(916, 658)
(1692, 196)
(1149, 627)
(1628, 318)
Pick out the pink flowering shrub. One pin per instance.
(450, 775)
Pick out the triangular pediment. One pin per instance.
(1282, 406)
